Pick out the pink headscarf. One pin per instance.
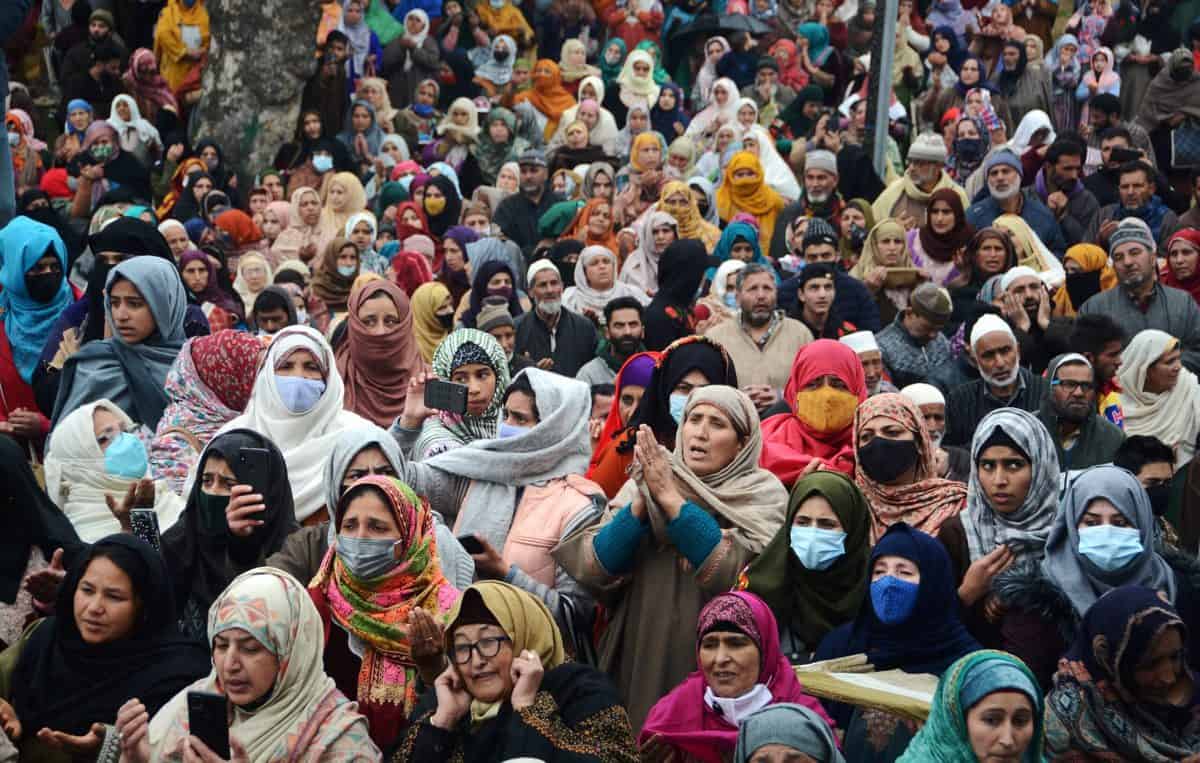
(683, 720)
(27, 129)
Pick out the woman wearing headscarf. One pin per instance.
(936, 245)
(721, 299)
(778, 173)
(714, 49)
(735, 235)
(744, 189)
(207, 387)
(144, 304)
(989, 253)
(894, 467)
(138, 137)
(577, 146)
(1087, 274)
(1159, 396)
(634, 86)
(1100, 77)
(253, 275)
(297, 713)
(333, 277)
(151, 91)
(368, 601)
(886, 247)
(1065, 76)
(982, 685)
(75, 124)
(181, 39)
(787, 56)
(1103, 537)
(70, 673)
(682, 156)
(379, 353)
(593, 225)
(362, 230)
(201, 277)
(669, 315)
(498, 144)
(813, 572)
(493, 278)
(362, 135)
(34, 292)
(595, 283)
(27, 162)
(430, 302)
(740, 669)
(442, 205)
(667, 116)
(573, 65)
(458, 132)
(342, 196)
(720, 111)
(825, 388)
(554, 708)
(795, 728)
(1182, 269)
(1107, 703)
(102, 145)
(677, 200)
(712, 507)
(632, 379)
(454, 274)
(411, 58)
(548, 96)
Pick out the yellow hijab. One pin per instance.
(1091, 258)
(691, 223)
(870, 251)
(750, 195)
(425, 301)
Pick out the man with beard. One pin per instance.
(867, 349)
(1140, 302)
(1058, 184)
(1137, 189)
(79, 58)
(99, 82)
(518, 215)
(1104, 116)
(820, 199)
(1100, 339)
(1003, 172)
(1002, 383)
(762, 341)
(1026, 305)
(550, 335)
(624, 331)
(907, 198)
(1083, 437)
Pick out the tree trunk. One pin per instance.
(262, 53)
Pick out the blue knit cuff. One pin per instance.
(617, 541)
(694, 532)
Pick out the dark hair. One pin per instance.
(1093, 331)
(290, 276)
(1137, 166)
(1106, 102)
(336, 36)
(1138, 450)
(521, 384)
(603, 390)
(623, 303)
(105, 50)
(1064, 146)
(1117, 132)
(751, 269)
(817, 270)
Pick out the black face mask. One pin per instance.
(43, 286)
(500, 55)
(884, 460)
(1160, 498)
(969, 149)
(1082, 286)
(445, 319)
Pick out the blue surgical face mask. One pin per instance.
(322, 162)
(817, 549)
(366, 557)
(893, 599)
(731, 300)
(299, 394)
(507, 430)
(126, 457)
(14, 138)
(347, 270)
(1110, 547)
(678, 403)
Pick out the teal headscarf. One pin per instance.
(943, 738)
(724, 248)
(610, 72)
(391, 193)
(818, 41)
(27, 322)
(660, 74)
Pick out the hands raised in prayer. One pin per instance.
(86, 745)
(140, 493)
(425, 643)
(656, 473)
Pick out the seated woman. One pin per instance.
(988, 706)
(1123, 690)
(1102, 538)
(596, 283)
(908, 622)
(228, 526)
(112, 637)
(894, 457)
(1088, 272)
(496, 278)
(298, 240)
(813, 573)
(628, 388)
(745, 189)
(144, 304)
(655, 233)
(679, 531)
(509, 691)
(886, 247)
(266, 641)
(548, 96)
(201, 277)
(826, 386)
(1159, 397)
(786, 730)
(670, 317)
(677, 200)
(936, 245)
(665, 384)
(577, 147)
(297, 402)
(383, 569)
(207, 387)
(740, 670)
(378, 354)
(94, 466)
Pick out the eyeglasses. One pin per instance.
(486, 647)
(1073, 386)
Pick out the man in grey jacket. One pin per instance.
(1058, 185)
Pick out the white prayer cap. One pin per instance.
(989, 324)
(924, 394)
(860, 342)
(1020, 271)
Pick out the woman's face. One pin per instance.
(177, 239)
(730, 663)
(747, 116)
(890, 247)
(577, 136)
(588, 90)
(195, 276)
(898, 567)
(312, 126)
(426, 94)
(885, 427)
(641, 69)
(499, 281)
(1101, 511)
(480, 380)
(559, 183)
(105, 606)
(122, 109)
(272, 226)
(1000, 726)
(498, 131)
(721, 95)
(852, 216)
(210, 156)
(576, 56)
(80, 119)
(460, 116)
(362, 236)
(941, 44)
(638, 121)
(1004, 475)
(310, 209)
(106, 426)
(201, 188)
(745, 173)
(941, 217)
(255, 276)
(1160, 673)
(337, 197)
(816, 511)
(371, 94)
(478, 223)
(370, 460)
(590, 116)
(731, 283)
(132, 320)
(664, 236)
(246, 669)
(300, 363)
(1099, 63)
(348, 256)
(969, 72)
(453, 255)
(217, 478)
(602, 186)
(354, 14)
(1163, 374)
(369, 518)
(991, 258)
(508, 180)
(1182, 257)
(666, 99)
(742, 250)
(487, 679)
(379, 315)
(1032, 50)
(710, 441)
(967, 129)
(410, 217)
(600, 273)
(600, 223)
(715, 51)
(414, 25)
(724, 138)
(393, 150)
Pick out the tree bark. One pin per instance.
(262, 53)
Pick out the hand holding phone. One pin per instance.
(254, 468)
(208, 720)
(446, 396)
(471, 544)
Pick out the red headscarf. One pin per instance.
(683, 720)
(227, 362)
(788, 443)
(613, 424)
(1190, 285)
(412, 270)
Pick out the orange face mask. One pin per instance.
(826, 409)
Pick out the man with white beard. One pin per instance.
(820, 199)
(1003, 383)
(1003, 172)
(952, 463)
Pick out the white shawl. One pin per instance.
(582, 296)
(1172, 416)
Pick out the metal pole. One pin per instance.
(879, 98)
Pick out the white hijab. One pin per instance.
(136, 130)
(604, 134)
(776, 171)
(306, 439)
(582, 296)
(1030, 123)
(77, 481)
(641, 267)
(1173, 416)
(713, 113)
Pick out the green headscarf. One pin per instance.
(943, 738)
(660, 74)
(813, 602)
(391, 193)
(490, 155)
(610, 72)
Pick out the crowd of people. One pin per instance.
(573, 386)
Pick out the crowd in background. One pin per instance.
(573, 381)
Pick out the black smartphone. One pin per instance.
(254, 468)
(1121, 154)
(145, 526)
(208, 720)
(446, 396)
(471, 544)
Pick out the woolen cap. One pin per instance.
(928, 147)
(493, 314)
(821, 160)
(932, 301)
(1132, 229)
